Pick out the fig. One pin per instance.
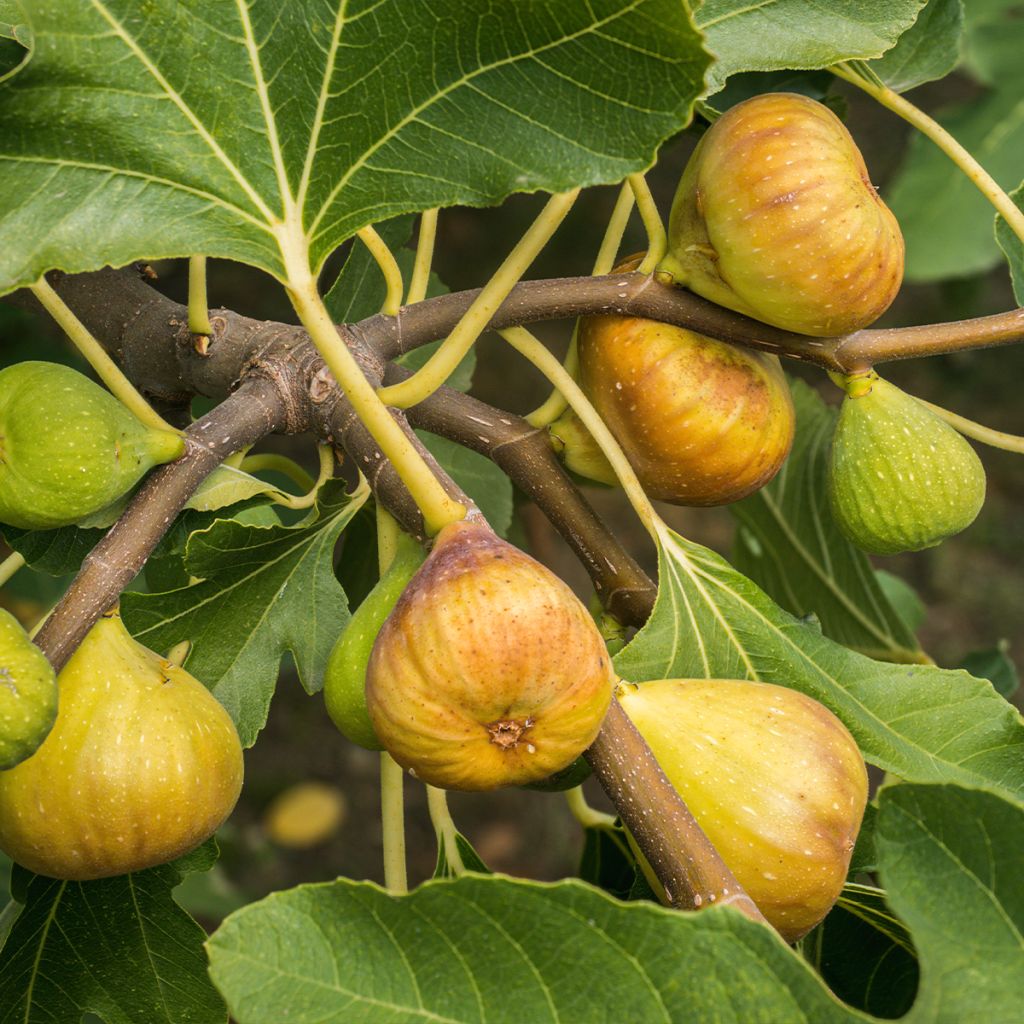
(67, 447)
(900, 478)
(345, 677)
(489, 671)
(775, 217)
(701, 421)
(28, 693)
(578, 450)
(141, 766)
(773, 778)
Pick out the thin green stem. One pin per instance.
(308, 500)
(424, 257)
(657, 239)
(438, 507)
(527, 345)
(980, 178)
(986, 435)
(442, 364)
(584, 813)
(9, 566)
(198, 305)
(108, 371)
(444, 828)
(392, 815)
(555, 405)
(387, 537)
(271, 462)
(389, 268)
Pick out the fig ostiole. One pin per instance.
(68, 448)
(776, 217)
(900, 478)
(489, 671)
(701, 421)
(28, 693)
(773, 778)
(345, 677)
(141, 766)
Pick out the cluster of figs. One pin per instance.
(474, 666)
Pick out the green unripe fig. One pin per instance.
(67, 447)
(489, 671)
(142, 765)
(345, 678)
(773, 778)
(900, 478)
(701, 421)
(28, 693)
(776, 217)
(578, 450)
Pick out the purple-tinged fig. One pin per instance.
(489, 671)
(776, 217)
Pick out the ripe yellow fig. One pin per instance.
(489, 671)
(141, 766)
(776, 217)
(773, 778)
(701, 421)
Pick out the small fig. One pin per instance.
(701, 421)
(772, 777)
(900, 478)
(28, 693)
(141, 766)
(345, 677)
(67, 447)
(579, 451)
(489, 671)
(776, 217)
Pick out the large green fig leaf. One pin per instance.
(268, 132)
(924, 724)
(789, 544)
(1013, 248)
(494, 950)
(799, 34)
(928, 50)
(261, 590)
(118, 947)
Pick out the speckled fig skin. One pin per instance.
(900, 478)
(776, 217)
(67, 447)
(489, 671)
(701, 421)
(28, 693)
(141, 766)
(773, 778)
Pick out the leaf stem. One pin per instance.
(271, 462)
(198, 305)
(657, 239)
(392, 815)
(584, 813)
(308, 499)
(555, 405)
(388, 266)
(109, 372)
(442, 364)
(438, 508)
(976, 174)
(527, 345)
(444, 828)
(387, 537)
(977, 431)
(424, 257)
(9, 566)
